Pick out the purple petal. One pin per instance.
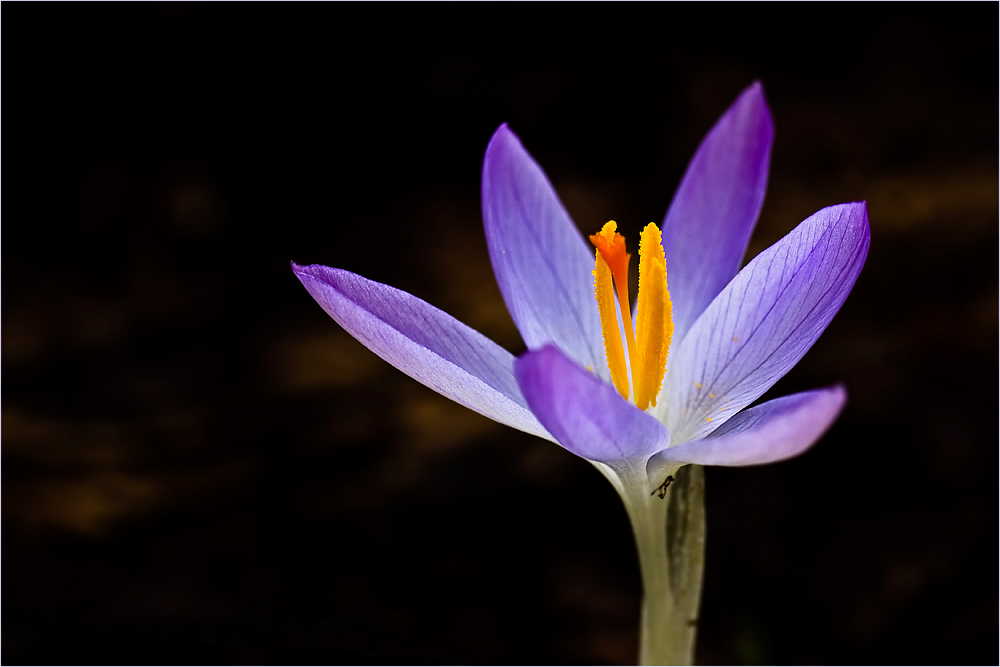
(425, 343)
(765, 320)
(713, 213)
(585, 415)
(542, 264)
(773, 431)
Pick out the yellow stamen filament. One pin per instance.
(649, 343)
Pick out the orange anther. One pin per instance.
(654, 326)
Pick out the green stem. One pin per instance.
(670, 537)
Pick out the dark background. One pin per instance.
(200, 466)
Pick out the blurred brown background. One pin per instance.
(200, 466)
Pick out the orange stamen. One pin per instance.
(605, 294)
(654, 325)
(611, 247)
(649, 342)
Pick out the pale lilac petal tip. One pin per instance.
(542, 264)
(765, 320)
(586, 415)
(425, 343)
(715, 208)
(774, 431)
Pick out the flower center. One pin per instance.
(649, 343)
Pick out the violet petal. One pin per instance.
(765, 320)
(772, 431)
(715, 208)
(425, 343)
(586, 415)
(542, 264)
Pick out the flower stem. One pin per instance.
(670, 537)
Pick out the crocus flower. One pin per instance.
(734, 333)
(707, 340)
